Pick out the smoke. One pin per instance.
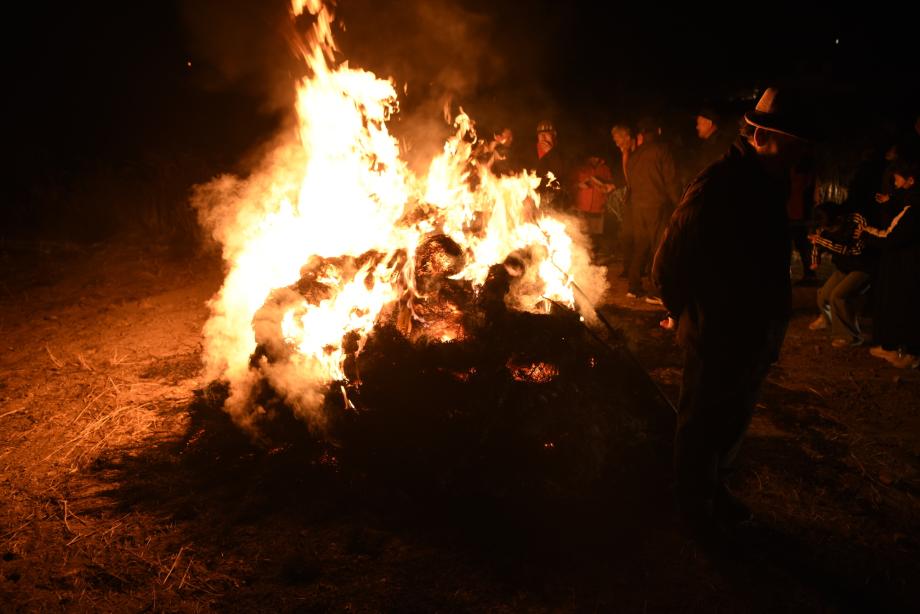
(300, 379)
(438, 53)
(231, 209)
(243, 46)
(590, 279)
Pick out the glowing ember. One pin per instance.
(536, 372)
(324, 237)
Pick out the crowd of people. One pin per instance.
(875, 250)
(869, 239)
(711, 239)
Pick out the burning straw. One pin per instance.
(325, 240)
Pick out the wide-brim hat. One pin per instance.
(785, 113)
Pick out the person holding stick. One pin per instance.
(732, 312)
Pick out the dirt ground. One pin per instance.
(123, 489)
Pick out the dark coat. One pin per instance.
(865, 184)
(848, 253)
(897, 289)
(551, 162)
(711, 149)
(723, 263)
(553, 192)
(652, 178)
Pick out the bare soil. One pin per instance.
(123, 487)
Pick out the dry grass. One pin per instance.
(94, 555)
(83, 400)
(103, 508)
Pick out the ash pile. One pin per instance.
(457, 391)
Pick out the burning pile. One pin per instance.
(334, 234)
(377, 305)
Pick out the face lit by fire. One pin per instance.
(546, 140)
(622, 138)
(505, 137)
(903, 183)
(704, 127)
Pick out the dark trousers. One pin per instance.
(798, 236)
(626, 239)
(837, 300)
(647, 226)
(717, 397)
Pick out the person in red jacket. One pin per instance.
(592, 182)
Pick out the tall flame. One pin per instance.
(340, 194)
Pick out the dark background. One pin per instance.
(115, 109)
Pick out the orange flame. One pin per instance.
(342, 190)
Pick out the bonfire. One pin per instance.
(379, 305)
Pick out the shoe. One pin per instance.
(820, 323)
(880, 352)
(654, 300)
(840, 343)
(906, 361)
(633, 294)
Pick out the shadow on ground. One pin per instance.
(299, 521)
(302, 527)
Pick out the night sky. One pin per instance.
(101, 83)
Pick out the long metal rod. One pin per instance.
(609, 326)
(625, 349)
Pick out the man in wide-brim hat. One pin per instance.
(723, 268)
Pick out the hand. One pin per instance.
(813, 266)
(813, 237)
(882, 198)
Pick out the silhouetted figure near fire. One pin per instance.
(654, 191)
(799, 208)
(716, 137)
(498, 154)
(622, 136)
(549, 166)
(854, 264)
(733, 312)
(896, 327)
